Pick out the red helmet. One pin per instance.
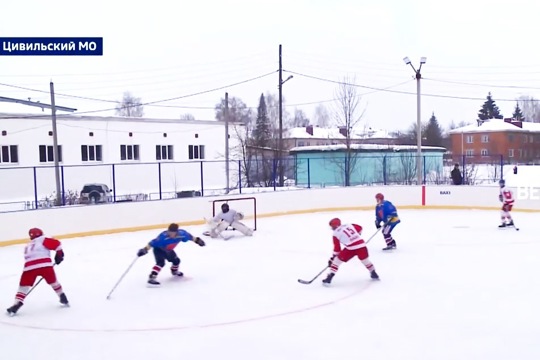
(379, 197)
(35, 233)
(335, 223)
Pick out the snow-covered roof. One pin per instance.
(497, 125)
(366, 148)
(333, 133)
(46, 116)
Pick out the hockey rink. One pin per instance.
(457, 287)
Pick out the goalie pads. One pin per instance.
(237, 225)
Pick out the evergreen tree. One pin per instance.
(433, 132)
(518, 114)
(489, 110)
(262, 135)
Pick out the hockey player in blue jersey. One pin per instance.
(386, 213)
(163, 246)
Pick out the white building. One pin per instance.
(317, 136)
(148, 155)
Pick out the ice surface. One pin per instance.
(456, 288)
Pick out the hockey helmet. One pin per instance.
(335, 223)
(502, 183)
(35, 233)
(379, 197)
(225, 208)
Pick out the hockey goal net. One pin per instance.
(245, 205)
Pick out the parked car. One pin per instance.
(95, 194)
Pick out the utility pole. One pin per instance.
(280, 140)
(55, 149)
(227, 140)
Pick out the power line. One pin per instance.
(157, 101)
(395, 91)
(482, 85)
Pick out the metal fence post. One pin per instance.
(202, 179)
(159, 180)
(502, 166)
(274, 173)
(308, 175)
(35, 188)
(424, 165)
(114, 183)
(63, 186)
(384, 171)
(239, 176)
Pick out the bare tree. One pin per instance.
(406, 169)
(470, 173)
(244, 151)
(300, 119)
(347, 116)
(321, 116)
(530, 108)
(187, 117)
(238, 111)
(130, 106)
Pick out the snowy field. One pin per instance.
(457, 287)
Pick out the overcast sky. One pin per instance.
(168, 49)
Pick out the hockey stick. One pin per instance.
(372, 236)
(122, 277)
(307, 282)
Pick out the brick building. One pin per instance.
(516, 141)
(317, 136)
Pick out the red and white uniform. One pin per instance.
(507, 199)
(37, 254)
(349, 235)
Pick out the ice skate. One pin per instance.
(13, 310)
(63, 299)
(390, 246)
(177, 273)
(511, 223)
(328, 279)
(503, 225)
(152, 280)
(374, 275)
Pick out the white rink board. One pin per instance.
(110, 218)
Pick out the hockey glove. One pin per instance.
(377, 224)
(59, 257)
(142, 252)
(199, 241)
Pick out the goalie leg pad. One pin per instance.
(242, 228)
(222, 226)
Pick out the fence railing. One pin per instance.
(26, 188)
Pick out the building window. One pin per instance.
(46, 153)
(129, 152)
(91, 153)
(484, 152)
(525, 138)
(510, 138)
(485, 138)
(520, 153)
(196, 152)
(531, 139)
(469, 152)
(10, 154)
(511, 153)
(470, 139)
(300, 143)
(164, 152)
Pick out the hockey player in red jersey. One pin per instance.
(507, 198)
(353, 245)
(38, 263)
